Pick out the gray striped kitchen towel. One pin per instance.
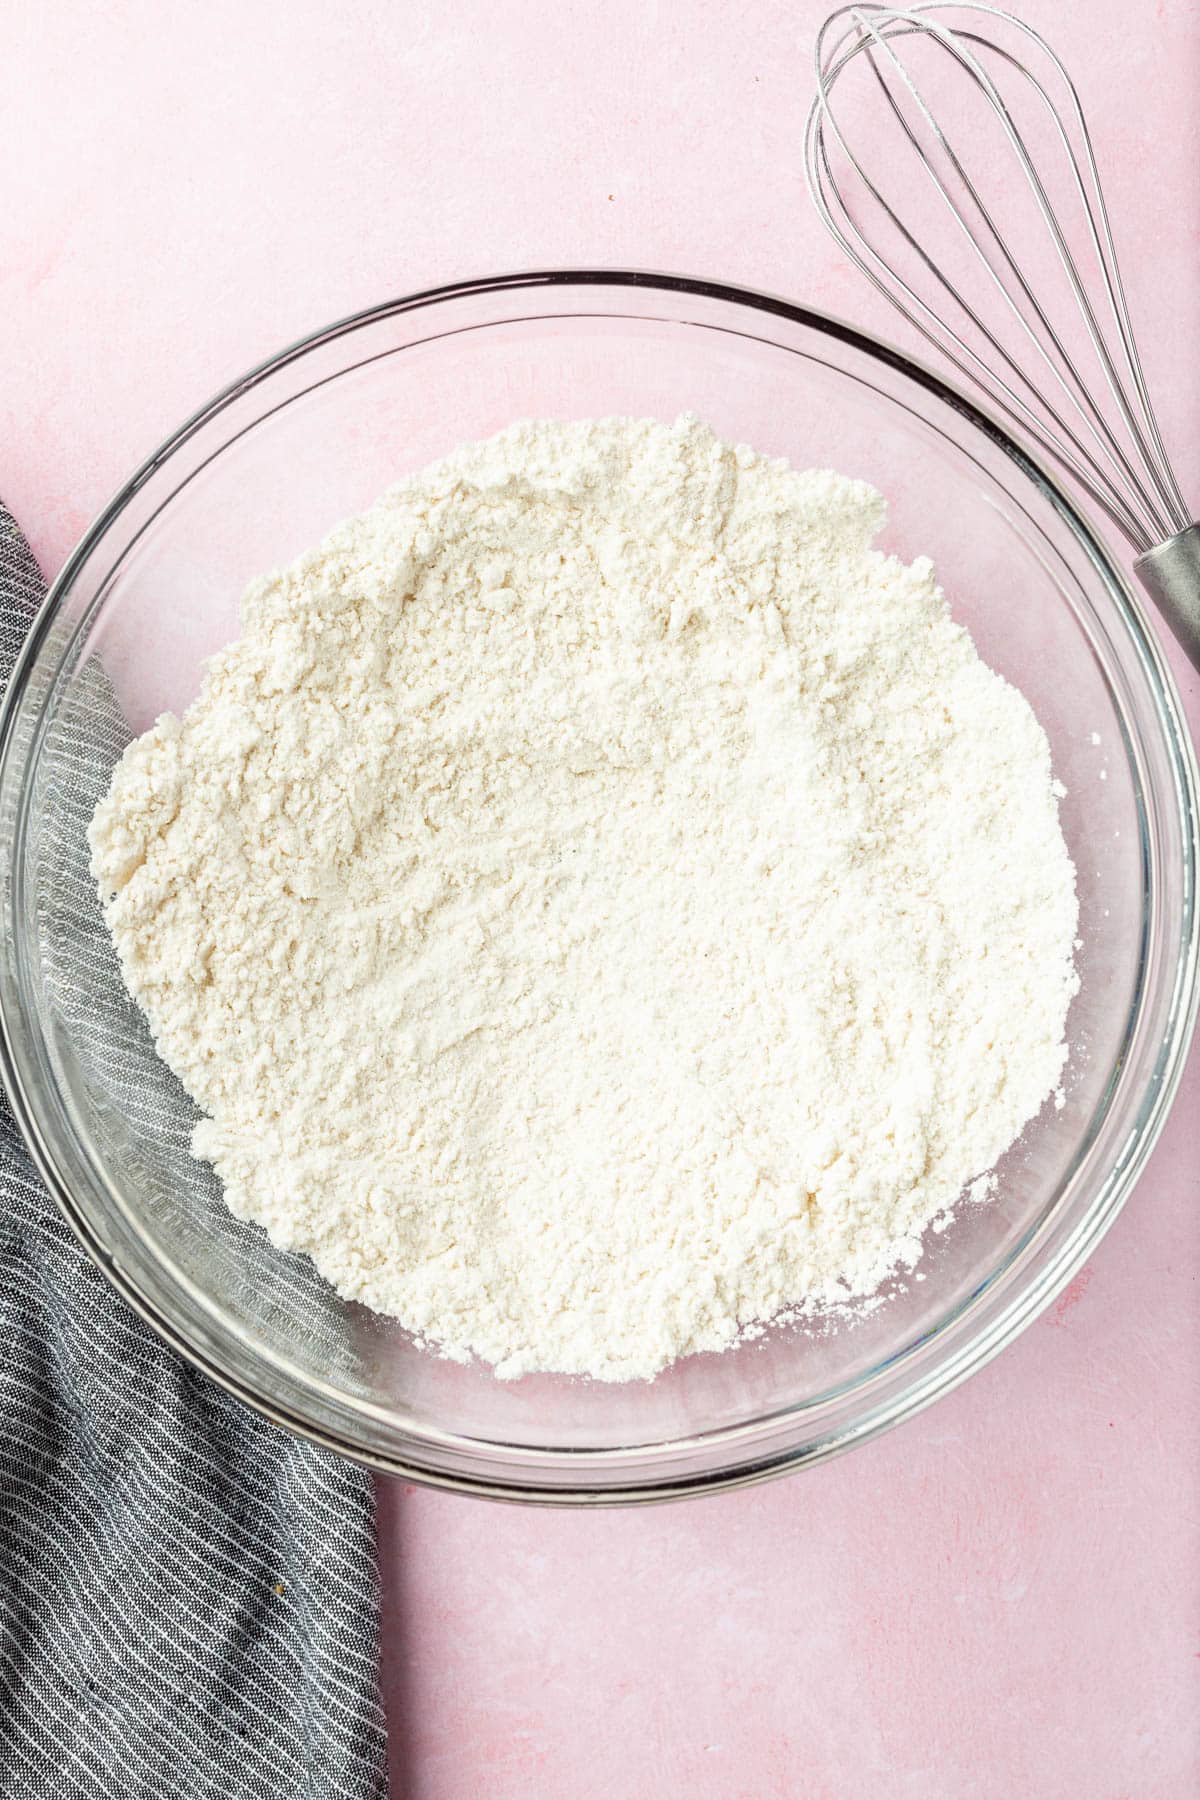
(188, 1597)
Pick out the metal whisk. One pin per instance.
(1026, 145)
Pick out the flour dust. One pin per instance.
(600, 902)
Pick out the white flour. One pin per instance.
(599, 901)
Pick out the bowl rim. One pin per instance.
(1021, 1309)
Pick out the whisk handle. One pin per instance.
(1170, 574)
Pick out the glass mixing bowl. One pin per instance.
(263, 472)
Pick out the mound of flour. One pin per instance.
(599, 902)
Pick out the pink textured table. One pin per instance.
(1003, 1597)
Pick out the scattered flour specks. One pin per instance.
(599, 902)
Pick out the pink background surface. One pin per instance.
(1002, 1597)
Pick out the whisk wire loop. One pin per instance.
(1113, 448)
